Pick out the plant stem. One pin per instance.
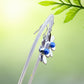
(80, 3)
(70, 2)
(81, 7)
(61, 1)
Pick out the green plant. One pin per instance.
(63, 5)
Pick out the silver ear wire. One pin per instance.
(45, 31)
(44, 35)
(38, 29)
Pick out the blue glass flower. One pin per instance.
(46, 50)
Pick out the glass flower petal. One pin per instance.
(44, 59)
(51, 54)
(53, 48)
(52, 38)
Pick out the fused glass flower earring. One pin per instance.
(46, 49)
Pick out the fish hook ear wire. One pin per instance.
(49, 20)
(44, 32)
(38, 29)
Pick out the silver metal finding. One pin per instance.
(44, 34)
(38, 29)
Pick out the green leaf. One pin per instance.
(71, 14)
(47, 3)
(57, 6)
(61, 9)
(77, 2)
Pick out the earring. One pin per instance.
(45, 49)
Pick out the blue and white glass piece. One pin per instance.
(46, 50)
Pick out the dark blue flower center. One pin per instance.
(52, 44)
(46, 51)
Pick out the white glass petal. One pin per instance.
(42, 48)
(53, 48)
(40, 57)
(48, 55)
(51, 54)
(52, 38)
(44, 59)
